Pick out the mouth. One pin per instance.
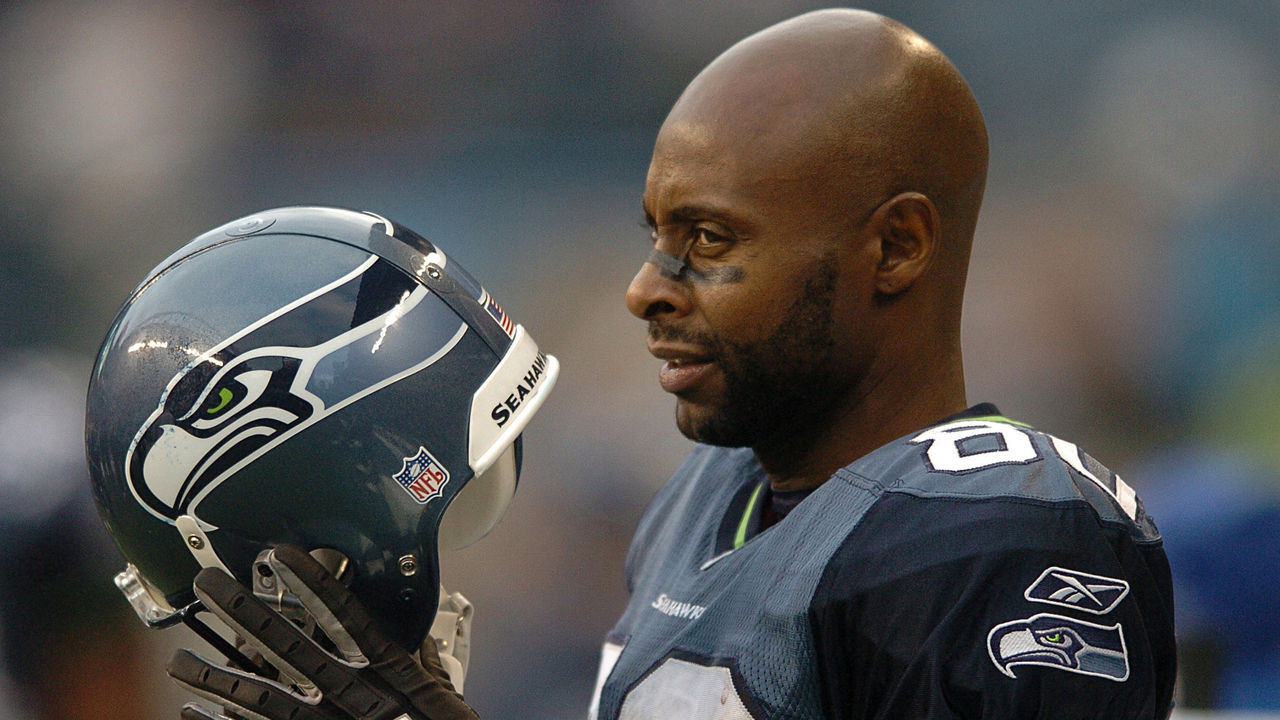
(678, 376)
(684, 368)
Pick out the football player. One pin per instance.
(851, 539)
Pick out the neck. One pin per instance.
(890, 405)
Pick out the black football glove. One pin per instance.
(369, 677)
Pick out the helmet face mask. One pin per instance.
(312, 376)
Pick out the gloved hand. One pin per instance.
(370, 677)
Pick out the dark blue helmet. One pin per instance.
(313, 376)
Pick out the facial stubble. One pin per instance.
(776, 386)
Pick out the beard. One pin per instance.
(776, 386)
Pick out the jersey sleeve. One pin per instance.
(994, 608)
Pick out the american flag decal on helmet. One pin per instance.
(422, 476)
(491, 305)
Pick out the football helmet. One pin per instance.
(313, 376)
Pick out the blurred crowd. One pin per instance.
(1123, 290)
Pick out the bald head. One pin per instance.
(849, 102)
(812, 198)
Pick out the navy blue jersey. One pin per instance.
(975, 569)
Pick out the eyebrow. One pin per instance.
(695, 211)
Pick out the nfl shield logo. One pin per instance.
(422, 476)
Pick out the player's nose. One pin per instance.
(654, 293)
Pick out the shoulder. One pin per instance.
(985, 533)
(977, 460)
(989, 501)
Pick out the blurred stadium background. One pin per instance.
(1124, 288)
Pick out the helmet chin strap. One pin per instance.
(195, 539)
(451, 632)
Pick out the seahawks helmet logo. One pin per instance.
(1060, 642)
(281, 374)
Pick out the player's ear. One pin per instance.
(908, 230)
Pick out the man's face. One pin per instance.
(758, 329)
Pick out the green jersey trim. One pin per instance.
(740, 537)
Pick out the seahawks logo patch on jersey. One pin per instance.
(1060, 642)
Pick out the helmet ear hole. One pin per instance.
(480, 504)
(338, 564)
